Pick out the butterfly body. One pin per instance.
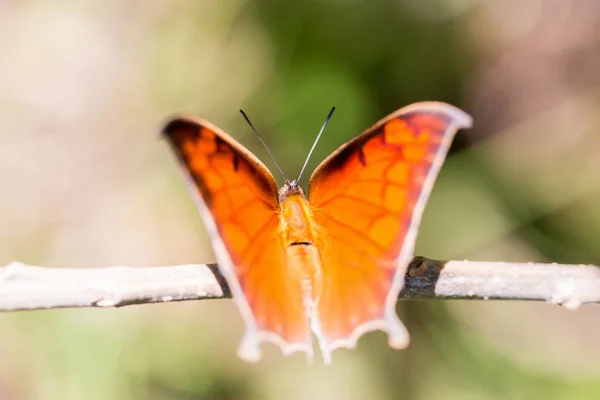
(300, 237)
(330, 264)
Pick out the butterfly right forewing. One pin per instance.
(367, 199)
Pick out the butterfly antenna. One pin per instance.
(264, 144)
(315, 142)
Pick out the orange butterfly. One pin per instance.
(333, 263)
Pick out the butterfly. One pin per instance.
(331, 263)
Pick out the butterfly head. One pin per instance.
(290, 188)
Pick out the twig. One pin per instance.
(24, 287)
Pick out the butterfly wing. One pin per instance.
(237, 199)
(368, 198)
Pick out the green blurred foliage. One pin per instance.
(85, 87)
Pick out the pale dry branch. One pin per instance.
(25, 287)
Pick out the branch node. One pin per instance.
(11, 270)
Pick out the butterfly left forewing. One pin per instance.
(237, 199)
(367, 199)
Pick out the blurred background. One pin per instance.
(86, 182)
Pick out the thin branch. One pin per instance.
(25, 287)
